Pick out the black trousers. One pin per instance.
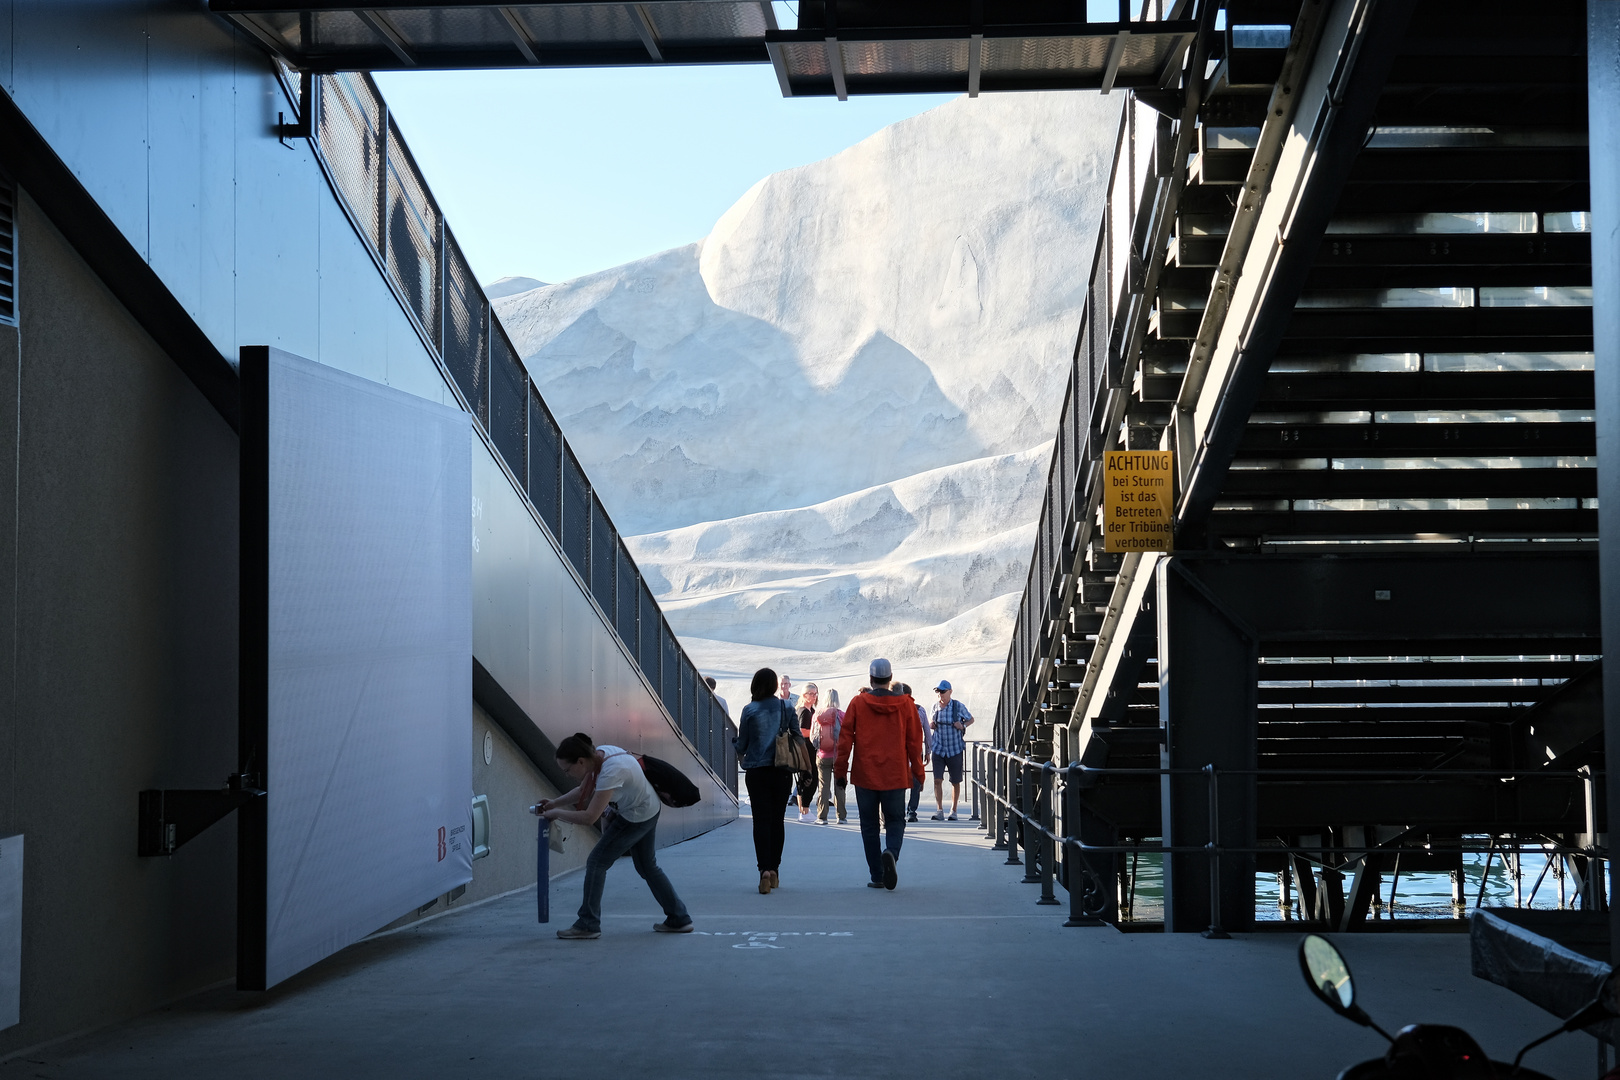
(768, 790)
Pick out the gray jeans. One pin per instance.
(639, 839)
(824, 798)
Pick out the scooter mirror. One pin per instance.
(1327, 973)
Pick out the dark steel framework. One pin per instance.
(1345, 273)
(390, 205)
(840, 47)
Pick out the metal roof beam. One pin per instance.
(383, 28)
(520, 35)
(647, 31)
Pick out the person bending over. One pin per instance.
(611, 776)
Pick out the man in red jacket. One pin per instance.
(881, 733)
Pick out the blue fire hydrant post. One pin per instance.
(542, 871)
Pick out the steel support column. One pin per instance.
(1208, 676)
(1603, 105)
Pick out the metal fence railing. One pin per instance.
(1110, 320)
(1031, 804)
(392, 208)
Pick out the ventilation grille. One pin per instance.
(8, 255)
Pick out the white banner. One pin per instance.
(370, 659)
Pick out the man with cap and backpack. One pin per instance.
(880, 748)
(951, 720)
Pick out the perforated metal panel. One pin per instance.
(604, 548)
(508, 405)
(1003, 56)
(576, 515)
(886, 58)
(448, 26)
(627, 598)
(649, 653)
(329, 28)
(466, 341)
(412, 227)
(350, 137)
(545, 465)
(706, 21)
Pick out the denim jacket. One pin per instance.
(757, 729)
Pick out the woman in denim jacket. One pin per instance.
(768, 787)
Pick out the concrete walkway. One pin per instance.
(956, 973)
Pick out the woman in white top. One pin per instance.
(610, 775)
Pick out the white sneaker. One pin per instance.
(804, 815)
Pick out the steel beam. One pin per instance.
(1343, 598)
(1603, 105)
(1207, 679)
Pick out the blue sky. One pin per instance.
(557, 173)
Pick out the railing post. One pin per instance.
(1214, 848)
(1074, 857)
(978, 773)
(1048, 847)
(1010, 818)
(993, 769)
(1028, 800)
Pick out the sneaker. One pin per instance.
(665, 928)
(937, 817)
(911, 816)
(843, 821)
(951, 818)
(891, 876)
(874, 884)
(804, 815)
(574, 933)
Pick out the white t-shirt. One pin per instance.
(621, 774)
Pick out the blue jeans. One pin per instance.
(916, 793)
(892, 804)
(638, 838)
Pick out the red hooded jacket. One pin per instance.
(882, 732)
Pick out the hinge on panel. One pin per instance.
(168, 819)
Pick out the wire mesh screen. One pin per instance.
(576, 515)
(545, 461)
(686, 713)
(350, 141)
(413, 236)
(627, 599)
(466, 341)
(604, 546)
(649, 652)
(669, 656)
(508, 398)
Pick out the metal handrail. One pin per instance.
(999, 806)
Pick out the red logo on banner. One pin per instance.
(441, 843)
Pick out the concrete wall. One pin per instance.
(118, 572)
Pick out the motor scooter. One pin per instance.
(1428, 1051)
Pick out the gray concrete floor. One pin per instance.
(956, 973)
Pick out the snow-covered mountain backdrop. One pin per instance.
(824, 428)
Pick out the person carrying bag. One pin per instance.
(793, 751)
(761, 752)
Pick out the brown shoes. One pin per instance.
(764, 882)
(776, 882)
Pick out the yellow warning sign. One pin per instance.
(1138, 500)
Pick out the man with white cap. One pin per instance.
(880, 748)
(951, 720)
